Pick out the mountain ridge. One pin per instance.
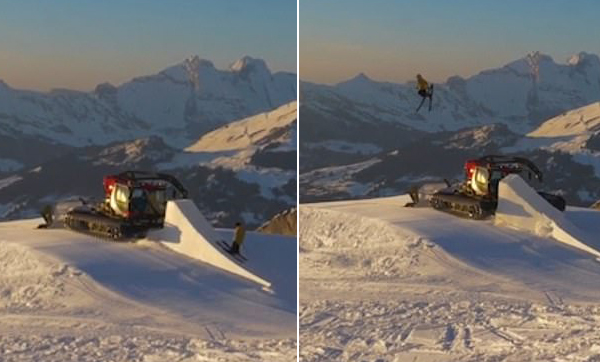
(179, 103)
(521, 94)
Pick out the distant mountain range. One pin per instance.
(180, 103)
(363, 138)
(229, 135)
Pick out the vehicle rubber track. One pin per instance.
(103, 226)
(464, 206)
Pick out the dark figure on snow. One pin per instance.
(238, 238)
(48, 217)
(425, 91)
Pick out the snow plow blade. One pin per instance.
(421, 195)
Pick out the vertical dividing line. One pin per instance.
(297, 180)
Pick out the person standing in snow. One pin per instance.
(425, 90)
(47, 215)
(238, 238)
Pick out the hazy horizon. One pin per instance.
(393, 41)
(135, 72)
(443, 79)
(77, 45)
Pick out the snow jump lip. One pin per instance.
(187, 231)
(521, 207)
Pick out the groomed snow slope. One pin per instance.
(381, 281)
(352, 228)
(68, 296)
(188, 232)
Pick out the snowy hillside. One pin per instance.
(68, 296)
(268, 127)
(576, 133)
(385, 282)
(231, 176)
(566, 148)
(572, 123)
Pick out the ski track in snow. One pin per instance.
(462, 329)
(385, 283)
(91, 343)
(67, 297)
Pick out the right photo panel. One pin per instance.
(449, 181)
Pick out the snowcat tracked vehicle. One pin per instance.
(477, 196)
(133, 203)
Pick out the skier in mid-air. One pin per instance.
(425, 91)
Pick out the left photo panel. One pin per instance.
(148, 180)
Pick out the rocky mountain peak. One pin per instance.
(249, 64)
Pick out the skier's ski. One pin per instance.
(430, 96)
(227, 248)
(420, 105)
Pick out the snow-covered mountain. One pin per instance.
(576, 133)
(179, 103)
(520, 94)
(580, 121)
(362, 138)
(230, 176)
(269, 127)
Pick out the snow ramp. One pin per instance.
(187, 231)
(522, 208)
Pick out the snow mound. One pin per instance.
(31, 280)
(328, 228)
(356, 244)
(522, 208)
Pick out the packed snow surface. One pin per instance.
(68, 296)
(381, 282)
